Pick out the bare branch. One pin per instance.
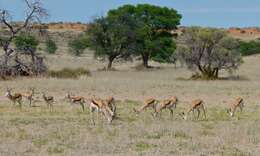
(27, 3)
(36, 13)
(4, 16)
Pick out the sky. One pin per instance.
(210, 13)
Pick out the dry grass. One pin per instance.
(68, 131)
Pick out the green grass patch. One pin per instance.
(234, 152)
(22, 134)
(154, 136)
(21, 121)
(206, 133)
(143, 146)
(181, 134)
(55, 150)
(207, 125)
(39, 142)
(159, 134)
(216, 114)
(7, 134)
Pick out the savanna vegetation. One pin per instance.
(12, 61)
(207, 51)
(128, 32)
(59, 63)
(249, 47)
(50, 46)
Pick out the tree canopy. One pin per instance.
(208, 50)
(151, 30)
(26, 43)
(109, 37)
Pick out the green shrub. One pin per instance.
(77, 46)
(68, 73)
(249, 48)
(26, 43)
(51, 46)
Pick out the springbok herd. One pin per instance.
(107, 107)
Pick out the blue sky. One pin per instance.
(213, 13)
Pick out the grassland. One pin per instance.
(69, 131)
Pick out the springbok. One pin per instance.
(198, 105)
(49, 100)
(148, 103)
(239, 103)
(101, 106)
(16, 97)
(76, 100)
(110, 101)
(29, 96)
(169, 104)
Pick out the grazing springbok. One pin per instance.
(76, 100)
(197, 105)
(102, 106)
(16, 97)
(169, 104)
(239, 103)
(29, 96)
(148, 103)
(49, 100)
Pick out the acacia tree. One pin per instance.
(151, 26)
(34, 13)
(207, 51)
(109, 38)
(78, 45)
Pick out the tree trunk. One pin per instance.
(4, 71)
(216, 72)
(110, 62)
(209, 73)
(145, 60)
(109, 65)
(5, 62)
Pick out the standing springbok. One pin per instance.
(76, 100)
(169, 104)
(16, 97)
(148, 103)
(29, 95)
(49, 100)
(239, 103)
(198, 105)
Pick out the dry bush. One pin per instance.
(68, 73)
